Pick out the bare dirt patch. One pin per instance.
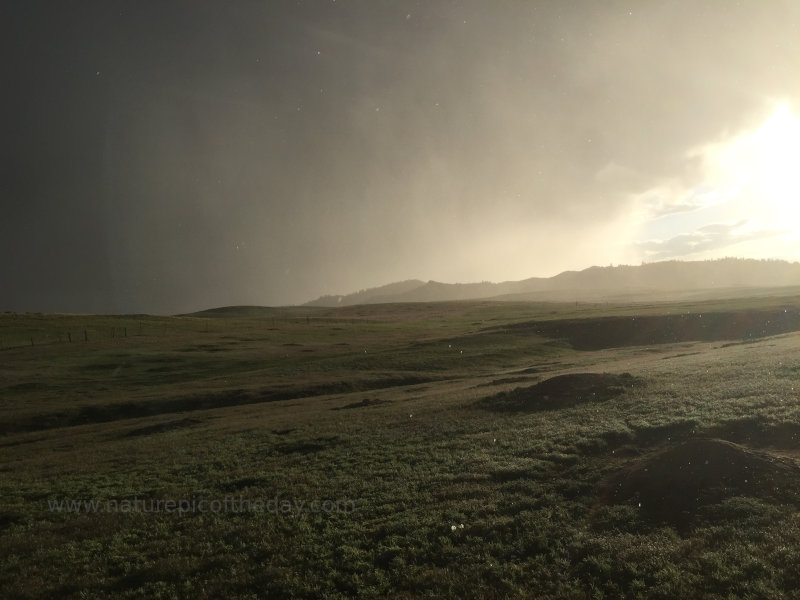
(362, 403)
(505, 381)
(162, 427)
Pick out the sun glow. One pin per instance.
(778, 165)
(762, 168)
(743, 198)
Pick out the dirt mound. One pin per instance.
(562, 391)
(671, 485)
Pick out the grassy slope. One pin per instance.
(115, 418)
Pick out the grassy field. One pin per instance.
(464, 450)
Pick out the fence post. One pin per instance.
(69, 337)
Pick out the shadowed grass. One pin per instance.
(447, 500)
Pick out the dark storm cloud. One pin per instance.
(169, 156)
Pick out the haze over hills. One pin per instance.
(665, 280)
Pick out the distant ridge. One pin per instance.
(668, 279)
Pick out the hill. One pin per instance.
(667, 280)
(377, 295)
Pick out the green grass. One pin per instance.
(209, 407)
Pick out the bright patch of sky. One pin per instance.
(746, 197)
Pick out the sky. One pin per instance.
(166, 157)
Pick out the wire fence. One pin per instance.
(32, 330)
